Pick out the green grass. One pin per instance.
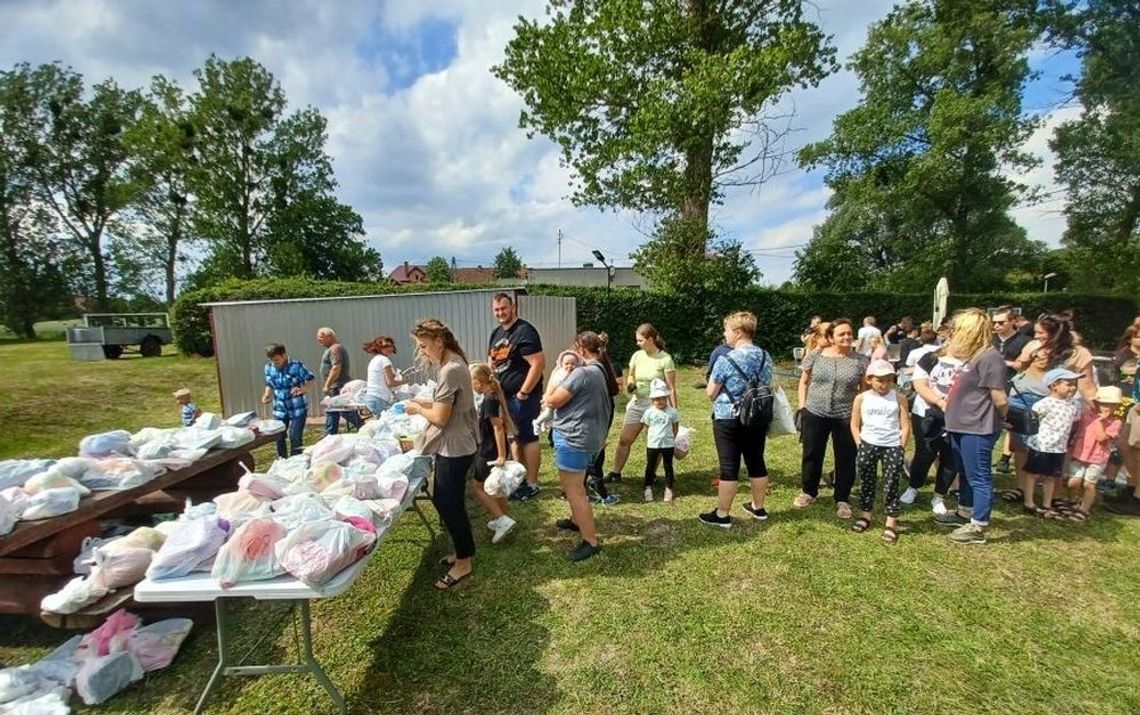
(796, 615)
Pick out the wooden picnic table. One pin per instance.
(36, 557)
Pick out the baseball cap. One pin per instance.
(182, 392)
(658, 388)
(1109, 395)
(1060, 373)
(880, 368)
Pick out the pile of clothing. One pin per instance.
(96, 666)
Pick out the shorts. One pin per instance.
(734, 442)
(1087, 471)
(1024, 400)
(1045, 464)
(524, 413)
(480, 468)
(635, 409)
(568, 459)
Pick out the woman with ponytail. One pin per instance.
(495, 426)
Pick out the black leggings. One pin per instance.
(652, 457)
(450, 500)
(595, 472)
(925, 454)
(735, 441)
(814, 431)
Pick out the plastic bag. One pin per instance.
(195, 438)
(74, 467)
(391, 486)
(372, 511)
(16, 499)
(14, 472)
(683, 442)
(358, 487)
(155, 645)
(101, 678)
(241, 419)
(77, 594)
(316, 551)
(208, 421)
(144, 537)
(233, 437)
(197, 511)
(238, 506)
(249, 554)
(86, 559)
(106, 444)
(325, 473)
(53, 479)
(43, 702)
(195, 542)
(353, 388)
(783, 418)
(268, 426)
(7, 516)
(293, 468)
(110, 637)
(118, 473)
(155, 449)
(296, 509)
(121, 567)
(51, 502)
(503, 481)
(266, 486)
(333, 448)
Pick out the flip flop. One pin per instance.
(890, 536)
(861, 525)
(449, 582)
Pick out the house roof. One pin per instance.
(405, 273)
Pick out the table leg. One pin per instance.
(424, 519)
(223, 655)
(315, 667)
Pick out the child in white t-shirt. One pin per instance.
(880, 427)
(1046, 459)
(661, 440)
(567, 361)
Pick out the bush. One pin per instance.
(690, 324)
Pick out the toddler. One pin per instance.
(1046, 459)
(1095, 434)
(661, 440)
(880, 426)
(567, 361)
(190, 411)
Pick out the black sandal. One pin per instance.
(890, 535)
(1013, 495)
(449, 582)
(1078, 515)
(861, 524)
(1034, 510)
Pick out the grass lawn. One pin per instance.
(795, 615)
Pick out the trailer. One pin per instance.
(109, 335)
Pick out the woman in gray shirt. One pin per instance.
(830, 380)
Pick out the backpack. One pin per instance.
(754, 405)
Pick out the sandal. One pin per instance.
(1061, 505)
(843, 510)
(890, 536)
(1052, 514)
(1013, 495)
(1079, 515)
(861, 525)
(448, 560)
(803, 500)
(1034, 510)
(449, 582)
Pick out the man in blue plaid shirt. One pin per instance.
(286, 382)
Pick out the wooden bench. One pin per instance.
(36, 558)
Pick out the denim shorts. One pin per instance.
(568, 459)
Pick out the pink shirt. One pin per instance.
(1087, 448)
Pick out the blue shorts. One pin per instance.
(568, 459)
(524, 413)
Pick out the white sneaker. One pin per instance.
(536, 426)
(668, 494)
(492, 523)
(503, 526)
(649, 494)
(908, 496)
(938, 506)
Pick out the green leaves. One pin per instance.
(507, 264)
(439, 271)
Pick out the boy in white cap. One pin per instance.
(663, 422)
(1096, 432)
(880, 426)
(190, 411)
(1046, 459)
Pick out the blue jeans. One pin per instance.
(974, 453)
(332, 421)
(374, 404)
(295, 429)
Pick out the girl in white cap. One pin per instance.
(1095, 432)
(880, 427)
(663, 422)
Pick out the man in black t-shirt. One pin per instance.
(514, 353)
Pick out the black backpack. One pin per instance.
(754, 405)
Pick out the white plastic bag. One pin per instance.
(155, 449)
(156, 645)
(333, 448)
(358, 487)
(233, 437)
(241, 419)
(683, 442)
(195, 541)
(14, 472)
(102, 677)
(74, 467)
(7, 516)
(106, 444)
(268, 426)
(503, 481)
(120, 568)
(296, 509)
(249, 554)
(239, 506)
(292, 468)
(318, 550)
(783, 419)
(77, 594)
(195, 438)
(266, 486)
(208, 421)
(118, 473)
(53, 479)
(43, 702)
(86, 558)
(51, 502)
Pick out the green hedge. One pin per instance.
(691, 324)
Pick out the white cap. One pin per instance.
(658, 388)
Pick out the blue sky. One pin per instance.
(425, 141)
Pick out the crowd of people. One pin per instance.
(945, 393)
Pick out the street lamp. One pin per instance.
(609, 270)
(1046, 277)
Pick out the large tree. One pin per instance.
(920, 166)
(656, 104)
(1098, 154)
(507, 264)
(439, 271)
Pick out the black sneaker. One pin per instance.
(1129, 506)
(951, 518)
(758, 514)
(613, 478)
(566, 524)
(525, 492)
(583, 551)
(713, 519)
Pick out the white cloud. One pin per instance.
(1044, 221)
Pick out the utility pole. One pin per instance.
(559, 248)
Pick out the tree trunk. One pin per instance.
(172, 241)
(99, 263)
(697, 187)
(1127, 224)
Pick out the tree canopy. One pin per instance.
(507, 263)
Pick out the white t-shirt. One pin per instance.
(914, 355)
(865, 334)
(377, 379)
(1056, 418)
(941, 376)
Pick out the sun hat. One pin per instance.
(1109, 395)
(658, 388)
(182, 392)
(1060, 373)
(880, 368)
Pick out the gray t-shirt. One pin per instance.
(335, 354)
(834, 382)
(460, 436)
(969, 407)
(584, 420)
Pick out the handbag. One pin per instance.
(783, 420)
(1022, 420)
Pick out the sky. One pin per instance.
(425, 141)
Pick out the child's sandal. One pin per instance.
(1034, 510)
(1079, 515)
(861, 524)
(1052, 514)
(890, 535)
(1013, 495)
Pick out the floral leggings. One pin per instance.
(867, 463)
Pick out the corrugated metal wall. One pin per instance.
(242, 330)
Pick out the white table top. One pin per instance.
(200, 586)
